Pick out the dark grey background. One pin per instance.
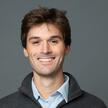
(88, 60)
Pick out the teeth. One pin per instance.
(45, 59)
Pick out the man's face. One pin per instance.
(45, 49)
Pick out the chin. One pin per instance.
(46, 73)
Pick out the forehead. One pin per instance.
(44, 31)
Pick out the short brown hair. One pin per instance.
(46, 15)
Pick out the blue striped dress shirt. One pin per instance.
(53, 100)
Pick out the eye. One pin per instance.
(36, 42)
(54, 41)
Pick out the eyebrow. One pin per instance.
(52, 37)
(32, 38)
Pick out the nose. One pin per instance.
(45, 48)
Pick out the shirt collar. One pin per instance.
(63, 90)
(35, 91)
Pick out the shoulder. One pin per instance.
(93, 100)
(10, 100)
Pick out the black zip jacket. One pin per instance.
(77, 98)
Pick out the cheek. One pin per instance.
(60, 52)
(32, 51)
(33, 57)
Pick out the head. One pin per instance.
(48, 16)
(46, 39)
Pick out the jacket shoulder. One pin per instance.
(9, 101)
(93, 101)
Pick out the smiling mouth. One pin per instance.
(46, 59)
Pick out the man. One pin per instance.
(46, 39)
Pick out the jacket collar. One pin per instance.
(26, 88)
(74, 89)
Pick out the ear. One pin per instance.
(68, 49)
(25, 52)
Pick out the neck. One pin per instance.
(48, 85)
